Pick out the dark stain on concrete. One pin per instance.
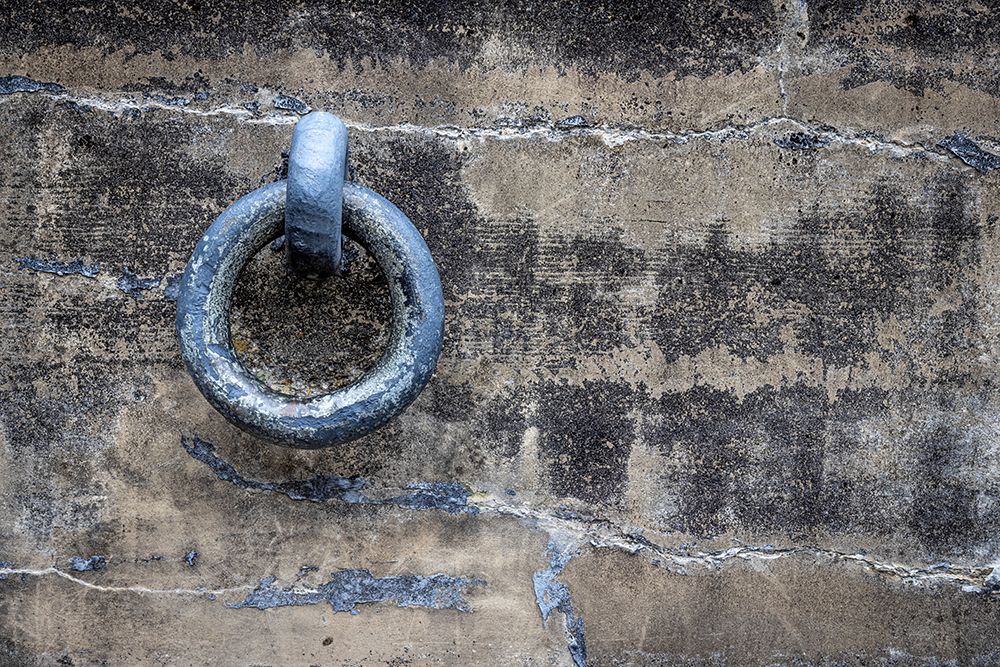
(76, 266)
(347, 589)
(781, 441)
(133, 162)
(971, 153)
(912, 46)
(585, 438)
(682, 36)
(910, 254)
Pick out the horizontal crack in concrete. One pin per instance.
(598, 532)
(823, 136)
(605, 534)
(54, 571)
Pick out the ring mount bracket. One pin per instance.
(382, 392)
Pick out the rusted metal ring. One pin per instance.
(205, 296)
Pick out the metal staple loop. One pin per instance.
(317, 165)
(205, 297)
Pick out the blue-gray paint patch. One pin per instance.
(22, 84)
(451, 497)
(992, 583)
(190, 557)
(971, 153)
(91, 564)
(5, 565)
(801, 141)
(448, 496)
(173, 101)
(289, 103)
(349, 588)
(572, 123)
(133, 285)
(553, 595)
(171, 286)
(76, 266)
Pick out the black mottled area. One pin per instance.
(545, 302)
(347, 589)
(22, 84)
(762, 463)
(913, 46)
(586, 435)
(971, 153)
(801, 141)
(294, 327)
(909, 255)
(136, 175)
(634, 36)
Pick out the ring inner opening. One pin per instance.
(303, 336)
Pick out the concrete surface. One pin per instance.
(718, 385)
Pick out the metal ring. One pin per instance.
(205, 296)
(317, 165)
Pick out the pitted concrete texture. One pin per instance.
(718, 381)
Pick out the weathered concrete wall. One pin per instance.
(719, 375)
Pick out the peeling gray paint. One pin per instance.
(971, 153)
(991, 584)
(572, 123)
(553, 595)
(76, 266)
(289, 103)
(801, 141)
(174, 101)
(347, 589)
(171, 284)
(447, 496)
(22, 84)
(133, 285)
(451, 497)
(90, 564)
